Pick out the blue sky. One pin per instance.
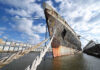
(23, 20)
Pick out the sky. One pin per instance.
(24, 20)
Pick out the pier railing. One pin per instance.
(11, 46)
(7, 59)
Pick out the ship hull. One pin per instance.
(65, 41)
(92, 49)
(62, 50)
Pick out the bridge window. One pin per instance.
(63, 33)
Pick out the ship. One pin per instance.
(92, 48)
(66, 41)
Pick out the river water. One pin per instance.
(73, 62)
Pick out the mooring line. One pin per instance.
(6, 60)
(39, 58)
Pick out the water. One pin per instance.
(73, 62)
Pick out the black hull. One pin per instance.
(94, 50)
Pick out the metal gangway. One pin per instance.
(7, 59)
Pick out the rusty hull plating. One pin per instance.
(66, 41)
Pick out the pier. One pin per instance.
(20, 52)
(7, 46)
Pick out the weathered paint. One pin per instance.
(56, 52)
(66, 41)
(63, 50)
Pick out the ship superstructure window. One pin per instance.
(63, 33)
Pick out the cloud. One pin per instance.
(17, 3)
(30, 39)
(1, 32)
(72, 9)
(5, 37)
(2, 28)
(77, 19)
(96, 30)
(95, 18)
(22, 11)
(24, 8)
(24, 25)
(58, 1)
(33, 40)
(18, 12)
(27, 26)
(82, 16)
(50, 2)
(40, 28)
